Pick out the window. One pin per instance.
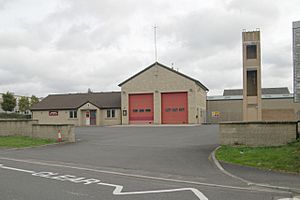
(174, 109)
(181, 109)
(72, 114)
(251, 51)
(75, 114)
(148, 110)
(141, 110)
(135, 110)
(252, 83)
(111, 113)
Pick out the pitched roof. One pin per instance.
(76, 100)
(280, 90)
(168, 68)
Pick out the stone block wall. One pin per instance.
(16, 127)
(49, 131)
(31, 128)
(258, 133)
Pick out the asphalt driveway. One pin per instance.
(138, 158)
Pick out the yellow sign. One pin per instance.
(215, 114)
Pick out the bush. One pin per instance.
(14, 116)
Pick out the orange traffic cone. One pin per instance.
(59, 138)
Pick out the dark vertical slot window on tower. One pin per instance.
(252, 83)
(251, 52)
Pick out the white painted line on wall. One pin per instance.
(118, 188)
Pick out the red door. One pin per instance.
(174, 108)
(141, 108)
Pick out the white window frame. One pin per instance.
(73, 114)
(111, 113)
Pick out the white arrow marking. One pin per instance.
(118, 191)
(118, 188)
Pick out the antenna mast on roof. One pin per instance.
(155, 46)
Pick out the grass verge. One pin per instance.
(22, 141)
(284, 158)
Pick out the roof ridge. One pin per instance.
(81, 93)
(168, 68)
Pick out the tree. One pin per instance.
(9, 102)
(24, 104)
(33, 100)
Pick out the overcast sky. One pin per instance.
(63, 46)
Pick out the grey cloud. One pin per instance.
(98, 44)
(263, 8)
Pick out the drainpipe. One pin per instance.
(297, 130)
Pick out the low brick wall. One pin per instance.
(33, 129)
(258, 133)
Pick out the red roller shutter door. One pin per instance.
(174, 108)
(141, 108)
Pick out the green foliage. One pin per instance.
(24, 104)
(33, 100)
(9, 102)
(22, 141)
(283, 158)
(13, 116)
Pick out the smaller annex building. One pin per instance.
(277, 105)
(161, 95)
(80, 109)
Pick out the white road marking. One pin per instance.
(16, 169)
(118, 188)
(69, 165)
(118, 191)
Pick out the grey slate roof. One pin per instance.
(280, 90)
(76, 100)
(168, 68)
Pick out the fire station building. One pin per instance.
(161, 95)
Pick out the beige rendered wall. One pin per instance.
(272, 109)
(62, 117)
(201, 96)
(230, 110)
(280, 109)
(105, 121)
(157, 80)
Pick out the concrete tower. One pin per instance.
(296, 60)
(251, 76)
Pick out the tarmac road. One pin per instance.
(125, 163)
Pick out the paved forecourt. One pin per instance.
(124, 163)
